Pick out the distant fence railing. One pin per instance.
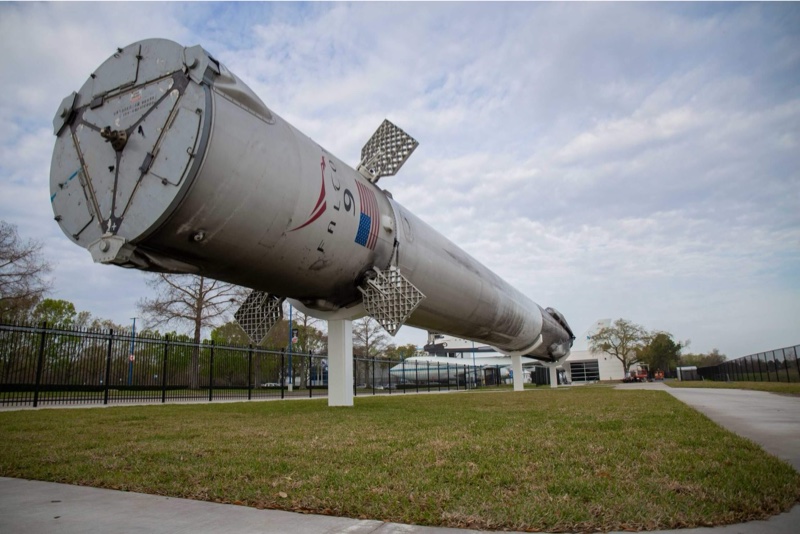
(40, 365)
(781, 365)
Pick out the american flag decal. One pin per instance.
(367, 235)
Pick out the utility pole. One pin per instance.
(132, 357)
(291, 378)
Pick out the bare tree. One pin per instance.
(369, 340)
(192, 300)
(309, 340)
(623, 340)
(22, 272)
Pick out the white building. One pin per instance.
(585, 366)
(581, 366)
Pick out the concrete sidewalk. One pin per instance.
(33, 507)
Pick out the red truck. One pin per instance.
(637, 375)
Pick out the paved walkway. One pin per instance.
(33, 507)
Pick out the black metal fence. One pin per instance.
(781, 365)
(40, 365)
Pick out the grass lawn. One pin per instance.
(773, 387)
(564, 460)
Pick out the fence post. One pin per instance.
(108, 365)
(796, 359)
(211, 374)
(786, 366)
(308, 376)
(774, 366)
(283, 372)
(164, 371)
(429, 376)
(250, 373)
(40, 364)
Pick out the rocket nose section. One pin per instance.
(557, 336)
(562, 321)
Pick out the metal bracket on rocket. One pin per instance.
(390, 298)
(258, 314)
(385, 152)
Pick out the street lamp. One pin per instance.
(132, 357)
(291, 378)
(474, 368)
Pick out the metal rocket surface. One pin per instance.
(166, 161)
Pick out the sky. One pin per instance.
(611, 160)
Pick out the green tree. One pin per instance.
(623, 340)
(229, 333)
(309, 340)
(703, 360)
(57, 313)
(400, 353)
(62, 349)
(661, 352)
(278, 337)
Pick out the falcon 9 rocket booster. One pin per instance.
(166, 161)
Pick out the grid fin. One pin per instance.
(258, 314)
(390, 298)
(385, 152)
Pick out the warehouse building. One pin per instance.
(581, 366)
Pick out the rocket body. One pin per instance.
(166, 161)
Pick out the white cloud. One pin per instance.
(611, 160)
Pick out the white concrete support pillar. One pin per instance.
(340, 362)
(516, 367)
(553, 375)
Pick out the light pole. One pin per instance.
(474, 368)
(291, 378)
(131, 357)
